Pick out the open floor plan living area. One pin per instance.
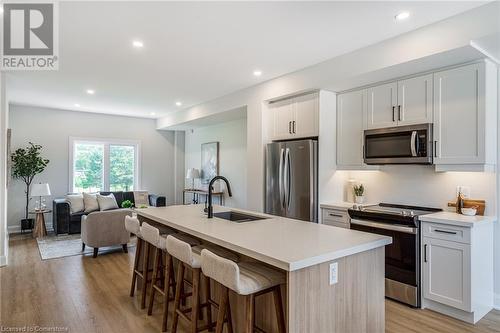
(250, 166)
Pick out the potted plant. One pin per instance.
(359, 191)
(26, 164)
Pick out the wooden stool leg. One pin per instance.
(228, 315)
(209, 306)
(280, 316)
(166, 297)
(145, 270)
(195, 300)
(249, 301)
(224, 293)
(177, 301)
(138, 251)
(152, 288)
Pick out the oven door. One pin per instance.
(402, 259)
(399, 145)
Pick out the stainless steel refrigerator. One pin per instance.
(292, 179)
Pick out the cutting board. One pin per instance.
(481, 205)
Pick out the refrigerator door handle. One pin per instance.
(287, 178)
(280, 178)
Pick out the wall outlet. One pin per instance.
(465, 190)
(334, 270)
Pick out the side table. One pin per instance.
(40, 230)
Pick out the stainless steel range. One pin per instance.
(402, 257)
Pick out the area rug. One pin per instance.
(52, 247)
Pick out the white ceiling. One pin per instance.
(197, 51)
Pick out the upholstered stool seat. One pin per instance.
(249, 279)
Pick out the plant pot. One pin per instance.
(360, 199)
(27, 224)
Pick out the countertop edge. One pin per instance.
(474, 220)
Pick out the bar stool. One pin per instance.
(168, 280)
(133, 226)
(248, 279)
(190, 258)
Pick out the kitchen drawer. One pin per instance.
(446, 232)
(338, 218)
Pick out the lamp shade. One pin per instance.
(192, 173)
(40, 190)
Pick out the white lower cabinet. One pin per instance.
(335, 217)
(457, 269)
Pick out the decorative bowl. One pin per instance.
(469, 211)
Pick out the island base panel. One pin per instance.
(356, 303)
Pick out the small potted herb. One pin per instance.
(127, 204)
(359, 191)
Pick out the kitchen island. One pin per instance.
(305, 252)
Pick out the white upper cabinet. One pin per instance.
(381, 106)
(465, 116)
(306, 115)
(350, 112)
(414, 101)
(296, 117)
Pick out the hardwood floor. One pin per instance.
(82, 294)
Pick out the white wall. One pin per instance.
(52, 129)
(232, 156)
(4, 117)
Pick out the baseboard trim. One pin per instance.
(3, 261)
(16, 229)
(496, 301)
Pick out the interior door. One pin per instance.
(275, 154)
(300, 180)
(381, 105)
(415, 101)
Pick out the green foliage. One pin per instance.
(26, 164)
(127, 204)
(88, 166)
(359, 190)
(121, 168)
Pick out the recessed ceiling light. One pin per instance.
(90, 91)
(152, 113)
(402, 16)
(137, 44)
(257, 72)
(77, 105)
(178, 103)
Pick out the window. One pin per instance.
(103, 165)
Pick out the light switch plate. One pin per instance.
(334, 270)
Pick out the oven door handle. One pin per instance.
(385, 226)
(413, 144)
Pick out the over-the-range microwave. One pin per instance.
(399, 145)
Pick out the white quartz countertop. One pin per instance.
(456, 219)
(281, 242)
(341, 205)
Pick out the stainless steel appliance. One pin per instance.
(402, 257)
(292, 179)
(399, 145)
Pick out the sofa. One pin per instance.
(105, 228)
(65, 222)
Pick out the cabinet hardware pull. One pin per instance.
(289, 127)
(425, 252)
(446, 232)
(399, 112)
(335, 215)
(393, 116)
(293, 126)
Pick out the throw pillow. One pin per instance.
(141, 198)
(76, 204)
(107, 202)
(90, 202)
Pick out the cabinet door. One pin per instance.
(381, 106)
(350, 113)
(283, 115)
(415, 101)
(306, 116)
(447, 273)
(459, 115)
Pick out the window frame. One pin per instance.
(106, 164)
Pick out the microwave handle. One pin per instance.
(413, 144)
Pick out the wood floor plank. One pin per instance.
(91, 295)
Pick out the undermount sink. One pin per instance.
(237, 217)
